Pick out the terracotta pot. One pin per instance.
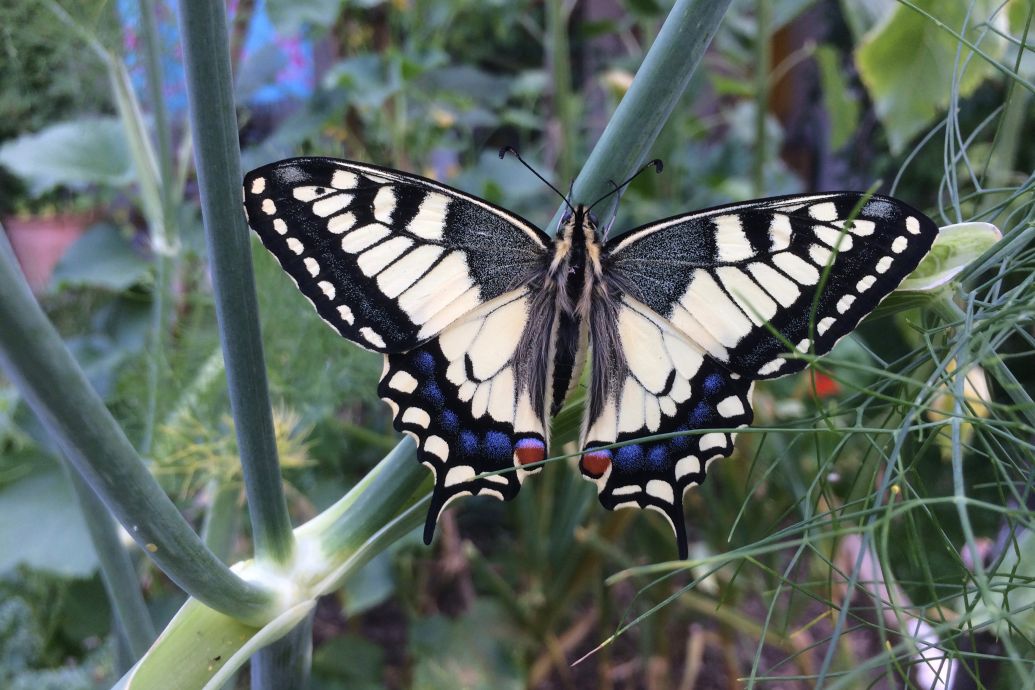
(40, 242)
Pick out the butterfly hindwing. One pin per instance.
(728, 277)
(388, 259)
(464, 397)
(658, 382)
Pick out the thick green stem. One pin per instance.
(165, 238)
(285, 664)
(559, 67)
(217, 155)
(36, 360)
(117, 572)
(654, 94)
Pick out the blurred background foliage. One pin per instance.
(794, 95)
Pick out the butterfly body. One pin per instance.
(486, 322)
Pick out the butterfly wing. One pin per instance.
(707, 303)
(438, 281)
(729, 277)
(388, 259)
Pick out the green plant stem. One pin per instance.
(164, 239)
(559, 67)
(653, 95)
(221, 519)
(285, 664)
(217, 156)
(117, 572)
(763, 16)
(36, 360)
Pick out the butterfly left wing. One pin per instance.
(707, 303)
(437, 280)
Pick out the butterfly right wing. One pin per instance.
(388, 259)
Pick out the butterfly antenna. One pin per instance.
(656, 164)
(510, 149)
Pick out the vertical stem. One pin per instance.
(559, 58)
(162, 239)
(763, 17)
(218, 159)
(117, 573)
(285, 664)
(657, 88)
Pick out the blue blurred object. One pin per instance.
(271, 69)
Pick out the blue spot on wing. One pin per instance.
(425, 363)
(712, 383)
(701, 414)
(468, 443)
(449, 421)
(657, 458)
(629, 457)
(497, 444)
(433, 394)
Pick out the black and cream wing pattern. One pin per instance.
(485, 321)
(709, 302)
(437, 281)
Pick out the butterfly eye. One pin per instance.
(566, 217)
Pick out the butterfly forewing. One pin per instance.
(389, 260)
(749, 282)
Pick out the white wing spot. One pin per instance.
(346, 314)
(884, 264)
(730, 407)
(899, 245)
(732, 243)
(803, 346)
(862, 228)
(341, 223)
(825, 211)
(294, 245)
(403, 381)
(913, 225)
(280, 226)
(688, 465)
(327, 289)
(780, 232)
(824, 324)
(713, 440)
(258, 185)
(430, 220)
(371, 336)
(376, 259)
(845, 303)
(842, 241)
(415, 415)
(312, 266)
(459, 475)
(865, 283)
(436, 445)
(268, 207)
(772, 366)
(627, 490)
(660, 490)
(796, 268)
(343, 179)
(330, 205)
(820, 255)
(361, 238)
(384, 205)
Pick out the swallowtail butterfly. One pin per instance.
(485, 321)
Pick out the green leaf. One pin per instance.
(74, 154)
(42, 505)
(907, 62)
(954, 248)
(291, 15)
(840, 103)
(101, 258)
(1009, 606)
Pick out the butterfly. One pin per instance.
(485, 321)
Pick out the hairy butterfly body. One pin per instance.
(485, 321)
